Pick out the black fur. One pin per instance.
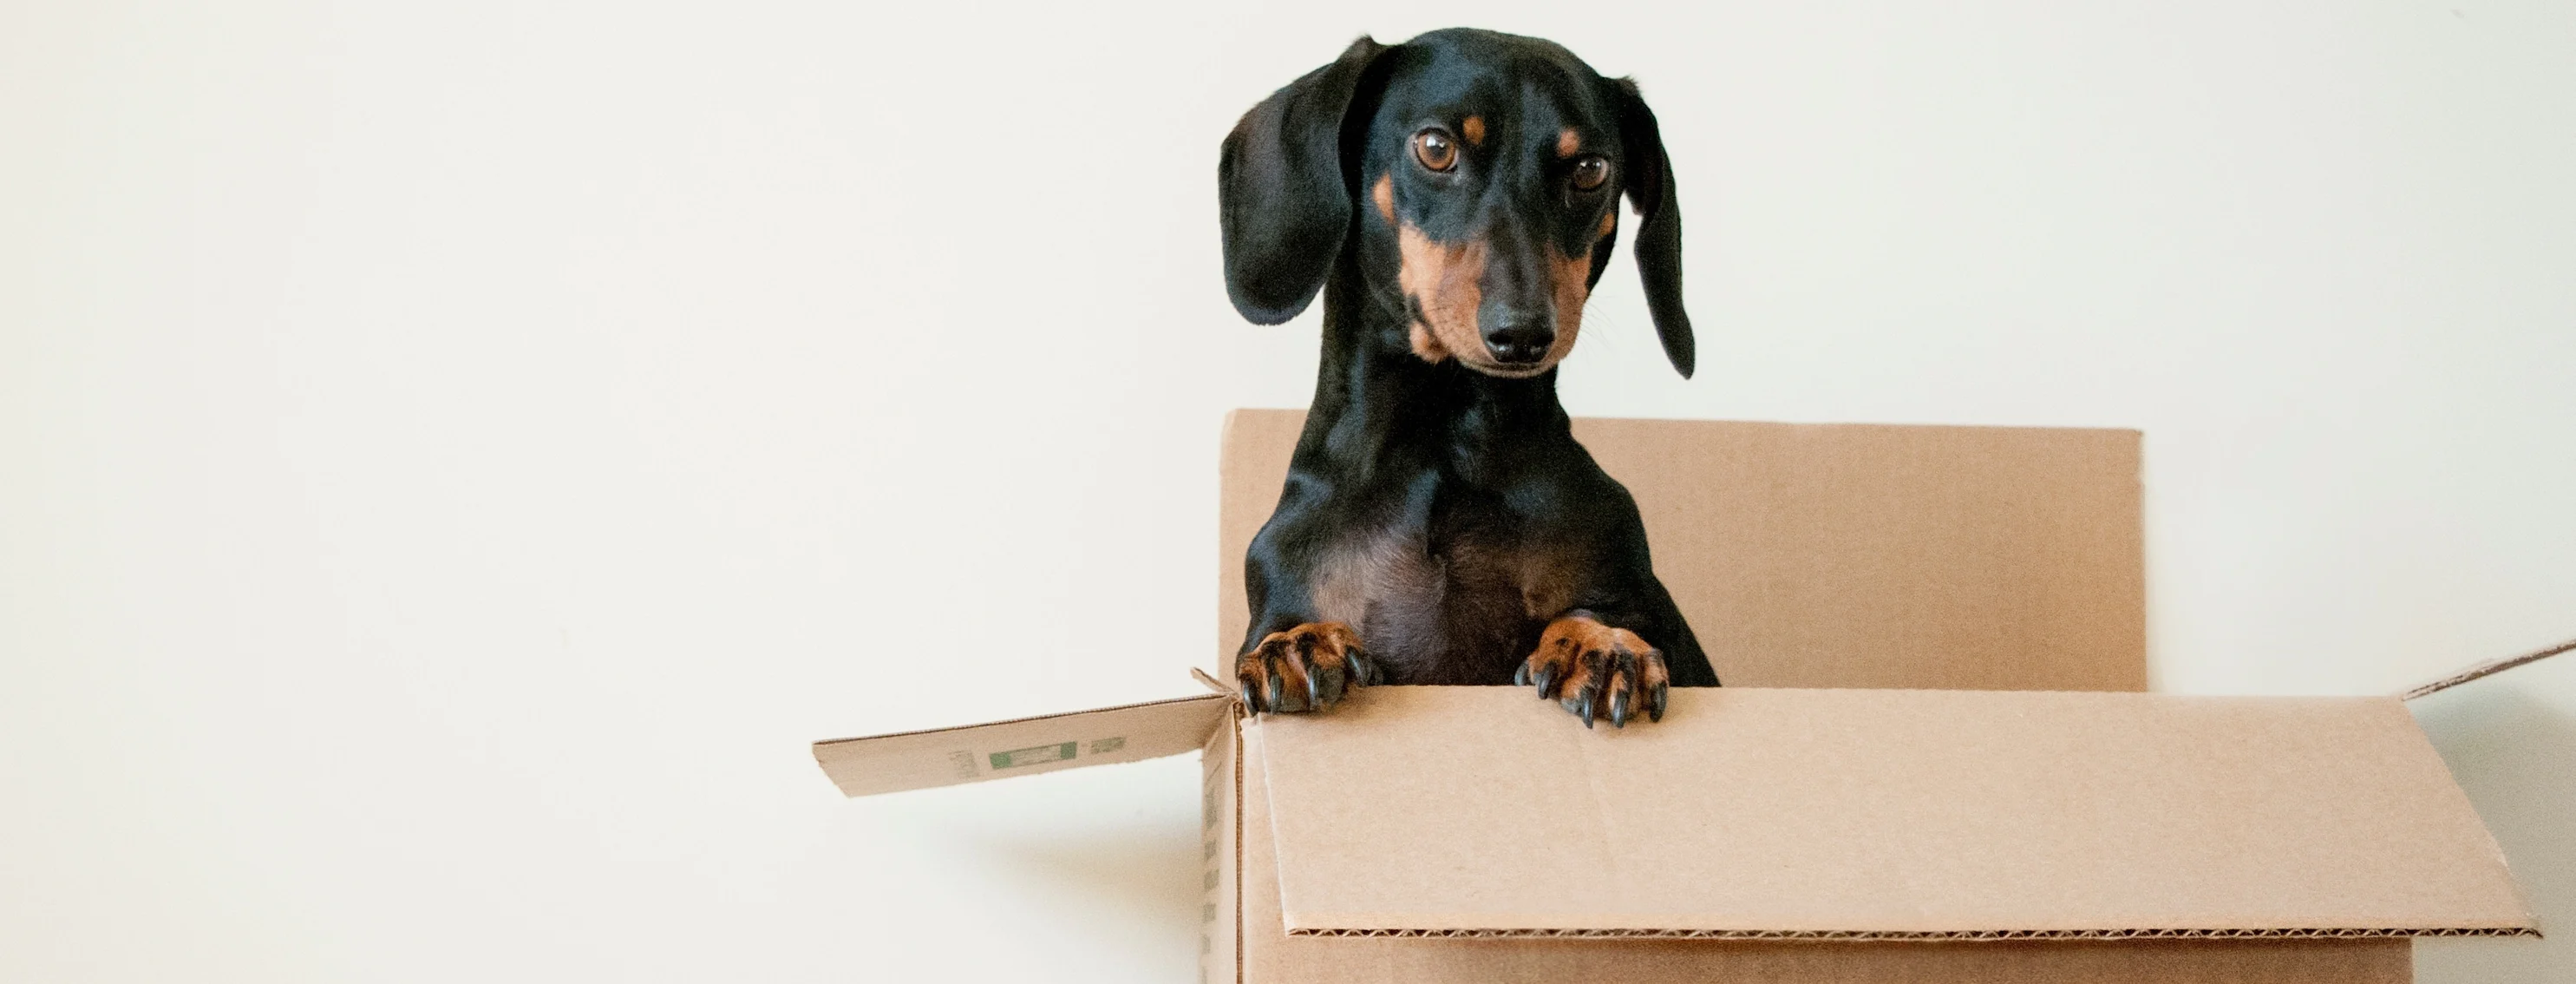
(1447, 513)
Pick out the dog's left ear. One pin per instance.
(1649, 184)
(1282, 196)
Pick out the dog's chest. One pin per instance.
(1443, 602)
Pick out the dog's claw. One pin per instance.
(1363, 668)
(1324, 658)
(1595, 671)
(1324, 686)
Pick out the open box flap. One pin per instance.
(1893, 814)
(1025, 746)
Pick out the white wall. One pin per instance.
(453, 457)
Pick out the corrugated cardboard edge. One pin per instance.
(1962, 936)
(2486, 669)
(1221, 836)
(1235, 723)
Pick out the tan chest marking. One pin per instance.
(1365, 569)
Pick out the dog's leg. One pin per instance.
(1306, 667)
(1298, 655)
(1596, 671)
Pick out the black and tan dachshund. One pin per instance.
(1454, 197)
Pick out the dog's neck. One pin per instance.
(1377, 402)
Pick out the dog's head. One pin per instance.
(1474, 176)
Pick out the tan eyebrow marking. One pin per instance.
(1567, 143)
(1384, 195)
(1474, 129)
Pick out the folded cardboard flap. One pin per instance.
(1020, 747)
(1876, 814)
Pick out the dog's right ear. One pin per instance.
(1283, 198)
(1659, 225)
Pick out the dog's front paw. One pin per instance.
(1597, 671)
(1306, 668)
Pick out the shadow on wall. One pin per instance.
(1109, 854)
(2510, 740)
(1151, 872)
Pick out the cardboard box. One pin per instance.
(2003, 812)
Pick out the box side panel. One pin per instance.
(1978, 558)
(1808, 555)
(1690, 962)
(1252, 468)
(1772, 814)
(1028, 746)
(1270, 956)
(1220, 907)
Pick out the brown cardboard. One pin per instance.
(1844, 555)
(1807, 833)
(1021, 747)
(1220, 854)
(1876, 814)
(1271, 956)
(1890, 835)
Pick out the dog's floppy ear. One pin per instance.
(1283, 199)
(1649, 184)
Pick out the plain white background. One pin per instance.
(454, 457)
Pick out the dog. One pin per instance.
(1454, 198)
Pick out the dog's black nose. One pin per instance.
(1520, 342)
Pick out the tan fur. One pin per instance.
(1447, 281)
(1563, 647)
(1567, 143)
(1293, 655)
(1547, 585)
(1566, 276)
(1579, 633)
(1473, 128)
(1425, 346)
(1609, 224)
(1384, 195)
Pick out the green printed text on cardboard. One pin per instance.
(1034, 755)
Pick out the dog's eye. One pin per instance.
(1434, 150)
(1590, 173)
